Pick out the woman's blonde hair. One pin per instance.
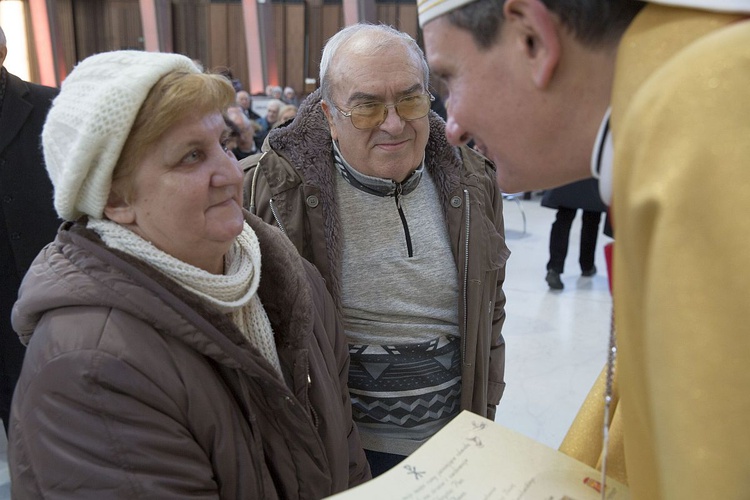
(174, 96)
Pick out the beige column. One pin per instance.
(42, 32)
(156, 20)
(256, 44)
(356, 11)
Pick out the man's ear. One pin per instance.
(118, 209)
(329, 118)
(537, 30)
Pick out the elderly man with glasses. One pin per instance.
(407, 231)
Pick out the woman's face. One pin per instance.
(186, 193)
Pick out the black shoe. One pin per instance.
(589, 272)
(553, 280)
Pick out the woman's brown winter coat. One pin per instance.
(134, 388)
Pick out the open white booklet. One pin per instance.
(475, 458)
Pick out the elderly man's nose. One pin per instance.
(393, 120)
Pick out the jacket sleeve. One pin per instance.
(359, 468)
(99, 427)
(497, 345)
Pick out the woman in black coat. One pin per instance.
(28, 219)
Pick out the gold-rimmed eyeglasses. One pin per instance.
(372, 114)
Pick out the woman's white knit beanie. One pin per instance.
(90, 120)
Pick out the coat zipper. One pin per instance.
(276, 216)
(467, 211)
(407, 234)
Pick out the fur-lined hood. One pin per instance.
(138, 367)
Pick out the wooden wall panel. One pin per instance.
(402, 16)
(125, 24)
(314, 40)
(323, 21)
(88, 19)
(217, 33)
(217, 36)
(407, 19)
(31, 47)
(294, 67)
(276, 74)
(104, 25)
(388, 13)
(333, 21)
(226, 41)
(64, 36)
(190, 25)
(236, 57)
(213, 33)
(81, 28)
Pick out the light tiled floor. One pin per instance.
(556, 341)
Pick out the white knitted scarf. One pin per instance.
(233, 292)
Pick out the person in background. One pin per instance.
(290, 96)
(277, 92)
(245, 100)
(233, 136)
(28, 217)
(407, 232)
(227, 73)
(161, 361)
(245, 129)
(583, 195)
(286, 113)
(534, 80)
(266, 123)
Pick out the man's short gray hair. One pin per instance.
(379, 37)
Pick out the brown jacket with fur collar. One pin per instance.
(133, 387)
(293, 187)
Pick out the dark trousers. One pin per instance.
(382, 462)
(560, 235)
